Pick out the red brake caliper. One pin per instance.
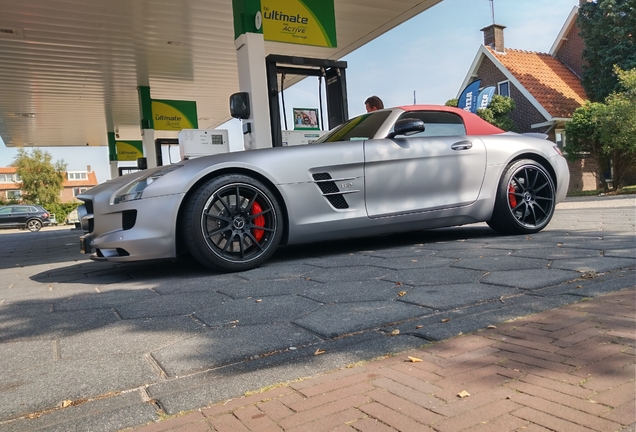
(258, 221)
(512, 199)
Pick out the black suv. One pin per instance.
(24, 216)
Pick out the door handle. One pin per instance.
(462, 145)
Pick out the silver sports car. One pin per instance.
(399, 169)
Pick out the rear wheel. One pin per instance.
(232, 223)
(525, 199)
(34, 225)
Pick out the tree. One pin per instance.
(41, 178)
(583, 136)
(496, 113)
(606, 131)
(608, 30)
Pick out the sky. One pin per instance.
(430, 55)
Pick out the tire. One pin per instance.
(525, 199)
(230, 238)
(34, 225)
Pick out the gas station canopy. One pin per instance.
(70, 68)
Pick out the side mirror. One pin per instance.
(406, 127)
(240, 105)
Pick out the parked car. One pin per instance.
(72, 219)
(24, 216)
(394, 170)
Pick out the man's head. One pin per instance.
(373, 103)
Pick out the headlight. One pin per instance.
(134, 191)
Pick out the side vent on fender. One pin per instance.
(330, 190)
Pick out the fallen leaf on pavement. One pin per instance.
(402, 293)
(67, 403)
(419, 326)
(463, 394)
(319, 351)
(446, 320)
(414, 359)
(395, 332)
(492, 327)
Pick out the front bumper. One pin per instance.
(132, 231)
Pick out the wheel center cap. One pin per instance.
(239, 223)
(527, 196)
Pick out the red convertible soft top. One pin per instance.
(475, 125)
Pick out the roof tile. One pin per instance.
(551, 83)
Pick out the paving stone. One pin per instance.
(142, 335)
(530, 279)
(339, 319)
(473, 253)
(558, 253)
(434, 276)
(174, 304)
(219, 347)
(501, 263)
(354, 291)
(415, 262)
(597, 264)
(103, 415)
(267, 310)
(266, 288)
(450, 296)
(52, 325)
(350, 274)
(71, 380)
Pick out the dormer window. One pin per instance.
(77, 175)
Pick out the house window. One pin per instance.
(77, 191)
(77, 175)
(14, 195)
(9, 178)
(560, 138)
(504, 88)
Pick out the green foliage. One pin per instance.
(41, 178)
(497, 112)
(61, 210)
(606, 130)
(608, 29)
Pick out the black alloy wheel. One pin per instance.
(233, 223)
(525, 199)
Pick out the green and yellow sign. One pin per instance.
(174, 115)
(305, 22)
(129, 150)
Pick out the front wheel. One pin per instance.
(34, 225)
(525, 199)
(232, 223)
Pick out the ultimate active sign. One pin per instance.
(174, 115)
(305, 22)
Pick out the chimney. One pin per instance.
(88, 168)
(494, 37)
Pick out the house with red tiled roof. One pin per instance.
(546, 87)
(75, 182)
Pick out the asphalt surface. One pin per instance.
(101, 346)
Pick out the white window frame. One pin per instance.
(79, 190)
(77, 175)
(14, 192)
(499, 88)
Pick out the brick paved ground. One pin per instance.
(568, 369)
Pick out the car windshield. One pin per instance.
(358, 128)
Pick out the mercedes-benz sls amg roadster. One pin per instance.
(400, 169)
